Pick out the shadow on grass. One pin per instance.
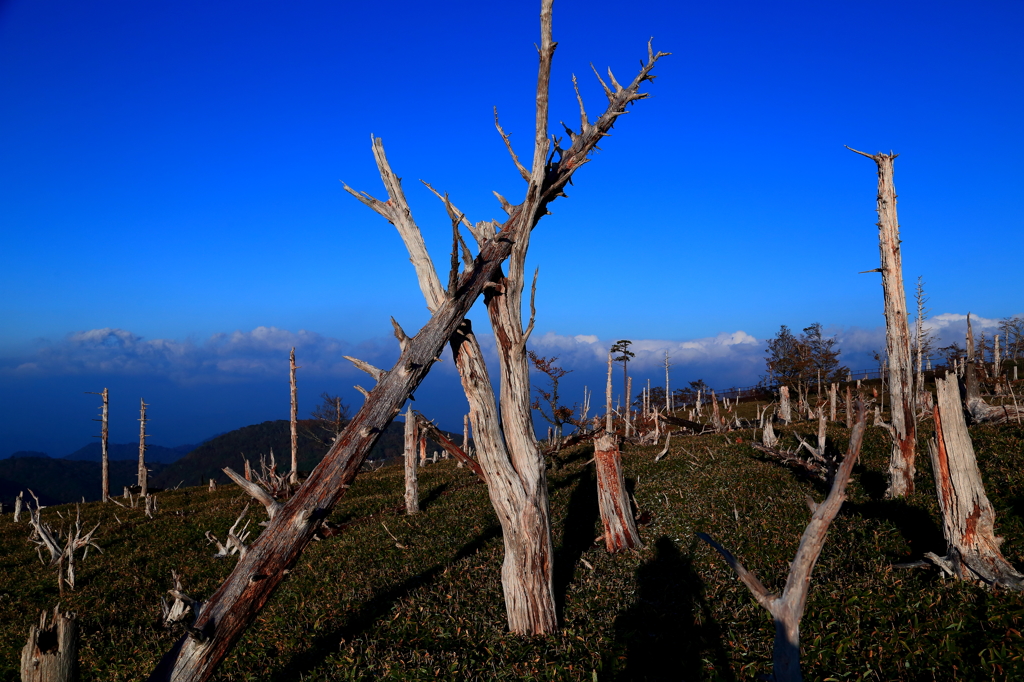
(372, 610)
(577, 532)
(669, 633)
(916, 525)
(433, 496)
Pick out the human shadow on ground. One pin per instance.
(669, 633)
(373, 610)
(577, 531)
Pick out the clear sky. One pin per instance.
(171, 171)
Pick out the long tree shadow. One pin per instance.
(916, 525)
(372, 610)
(669, 633)
(434, 495)
(577, 532)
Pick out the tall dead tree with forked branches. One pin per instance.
(512, 465)
(897, 332)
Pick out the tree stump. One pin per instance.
(616, 511)
(968, 519)
(51, 654)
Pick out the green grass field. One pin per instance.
(358, 606)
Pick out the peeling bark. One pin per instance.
(412, 492)
(968, 519)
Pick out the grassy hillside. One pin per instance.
(427, 604)
(60, 480)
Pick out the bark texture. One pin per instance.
(897, 333)
(51, 654)
(104, 414)
(613, 501)
(787, 609)
(294, 477)
(412, 489)
(514, 477)
(143, 471)
(968, 519)
(785, 409)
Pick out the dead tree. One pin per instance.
(897, 333)
(980, 411)
(785, 410)
(787, 609)
(434, 433)
(51, 654)
(143, 471)
(412, 493)
(515, 474)
(612, 499)
(294, 419)
(968, 519)
(105, 492)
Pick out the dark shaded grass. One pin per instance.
(358, 606)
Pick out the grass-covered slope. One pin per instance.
(418, 598)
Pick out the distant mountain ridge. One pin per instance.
(121, 451)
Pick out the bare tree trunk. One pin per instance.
(51, 654)
(716, 418)
(612, 499)
(105, 492)
(897, 333)
(668, 393)
(412, 492)
(516, 478)
(428, 429)
(143, 471)
(849, 409)
(832, 400)
(788, 608)
(968, 519)
(785, 411)
(294, 419)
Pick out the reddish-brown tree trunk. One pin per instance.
(968, 519)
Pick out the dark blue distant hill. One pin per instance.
(28, 453)
(58, 481)
(119, 451)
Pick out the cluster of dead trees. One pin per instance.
(508, 457)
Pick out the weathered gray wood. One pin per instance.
(412, 491)
(968, 519)
(51, 654)
(143, 471)
(294, 418)
(788, 608)
(785, 410)
(897, 332)
(104, 413)
(434, 433)
(236, 603)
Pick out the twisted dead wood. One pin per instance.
(787, 609)
(235, 604)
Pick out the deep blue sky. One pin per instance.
(173, 171)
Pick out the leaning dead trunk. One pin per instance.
(412, 492)
(612, 499)
(968, 519)
(516, 481)
(897, 333)
(787, 609)
(51, 654)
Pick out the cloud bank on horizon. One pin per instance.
(198, 388)
(257, 354)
